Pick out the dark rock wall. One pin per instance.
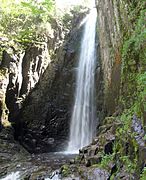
(122, 57)
(44, 119)
(110, 38)
(34, 63)
(4, 80)
(22, 70)
(10, 80)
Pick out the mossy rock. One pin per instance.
(65, 170)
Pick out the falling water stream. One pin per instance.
(83, 124)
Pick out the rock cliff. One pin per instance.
(41, 80)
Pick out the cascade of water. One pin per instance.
(83, 123)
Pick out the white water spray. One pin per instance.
(12, 176)
(83, 123)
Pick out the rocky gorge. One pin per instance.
(37, 94)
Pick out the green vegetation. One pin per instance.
(106, 159)
(133, 90)
(22, 20)
(143, 175)
(25, 22)
(65, 170)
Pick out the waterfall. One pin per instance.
(83, 121)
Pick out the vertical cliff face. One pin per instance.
(3, 86)
(21, 68)
(110, 38)
(35, 61)
(121, 37)
(11, 79)
(24, 72)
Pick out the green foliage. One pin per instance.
(105, 162)
(68, 16)
(21, 20)
(67, 19)
(137, 39)
(141, 101)
(30, 21)
(126, 147)
(129, 165)
(65, 170)
(106, 159)
(144, 138)
(41, 9)
(133, 89)
(143, 175)
(3, 72)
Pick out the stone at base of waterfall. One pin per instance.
(89, 150)
(49, 140)
(93, 160)
(97, 174)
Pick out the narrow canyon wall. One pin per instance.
(21, 69)
(110, 39)
(121, 39)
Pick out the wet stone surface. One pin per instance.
(34, 166)
(15, 161)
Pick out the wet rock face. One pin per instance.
(15, 159)
(5, 67)
(43, 122)
(24, 70)
(15, 82)
(89, 163)
(34, 63)
(4, 80)
(139, 137)
(98, 174)
(103, 143)
(100, 160)
(110, 38)
(9, 150)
